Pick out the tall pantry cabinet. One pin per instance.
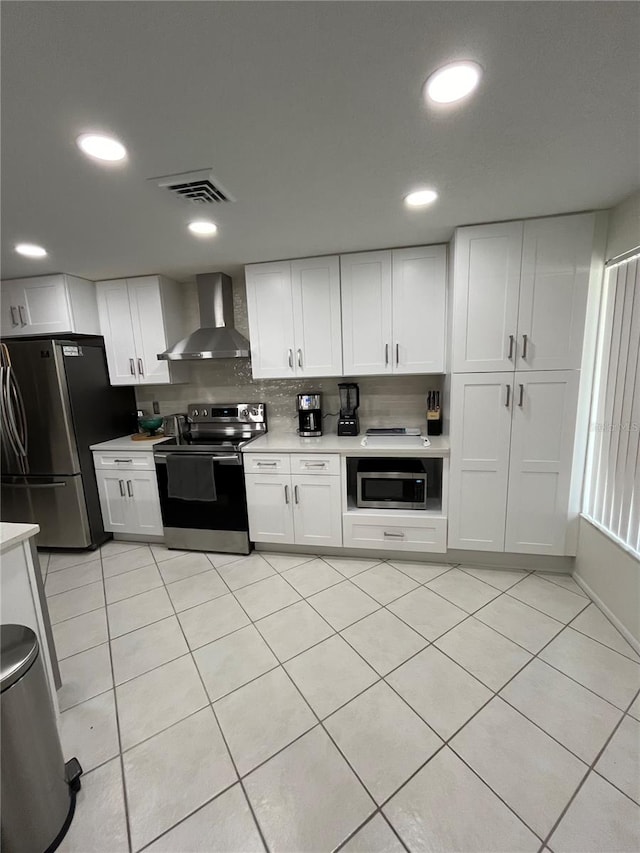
(519, 302)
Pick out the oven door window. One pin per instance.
(387, 490)
(228, 512)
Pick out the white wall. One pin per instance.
(612, 574)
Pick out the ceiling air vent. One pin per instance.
(200, 187)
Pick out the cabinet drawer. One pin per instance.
(369, 531)
(132, 460)
(266, 463)
(315, 463)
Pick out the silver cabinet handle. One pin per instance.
(315, 464)
(525, 343)
(386, 354)
(508, 400)
(296, 494)
(122, 492)
(21, 313)
(286, 494)
(389, 535)
(397, 353)
(123, 460)
(266, 464)
(14, 319)
(299, 358)
(512, 343)
(140, 367)
(290, 358)
(130, 488)
(521, 397)
(132, 367)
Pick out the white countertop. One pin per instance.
(11, 534)
(127, 444)
(347, 445)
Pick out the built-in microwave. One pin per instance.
(392, 484)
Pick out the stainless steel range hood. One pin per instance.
(216, 337)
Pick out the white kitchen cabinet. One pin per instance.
(317, 517)
(511, 454)
(542, 436)
(294, 315)
(48, 305)
(269, 499)
(520, 294)
(139, 318)
(367, 302)
(556, 261)
(419, 309)
(129, 500)
(479, 473)
(298, 508)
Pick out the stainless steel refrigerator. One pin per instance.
(56, 401)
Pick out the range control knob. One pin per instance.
(195, 413)
(204, 413)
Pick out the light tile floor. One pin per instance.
(294, 703)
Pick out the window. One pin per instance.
(612, 484)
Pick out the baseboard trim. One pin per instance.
(633, 641)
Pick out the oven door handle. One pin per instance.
(162, 457)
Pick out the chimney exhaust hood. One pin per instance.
(216, 337)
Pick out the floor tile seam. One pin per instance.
(378, 812)
(421, 583)
(71, 588)
(475, 677)
(87, 699)
(549, 580)
(484, 583)
(127, 597)
(480, 568)
(617, 787)
(587, 602)
(333, 633)
(359, 619)
(328, 557)
(222, 734)
(187, 577)
(123, 780)
(73, 566)
(396, 597)
(88, 649)
(128, 571)
(192, 606)
(507, 637)
(498, 594)
(67, 591)
(126, 750)
(635, 659)
(304, 597)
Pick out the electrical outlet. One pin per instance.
(156, 407)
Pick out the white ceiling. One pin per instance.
(311, 115)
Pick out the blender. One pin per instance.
(348, 423)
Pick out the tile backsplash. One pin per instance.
(384, 400)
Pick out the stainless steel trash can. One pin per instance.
(37, 788)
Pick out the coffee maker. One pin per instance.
(348, 423)
(309, 415)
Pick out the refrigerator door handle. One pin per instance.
(6, 485)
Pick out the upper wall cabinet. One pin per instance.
(139, 318)
(393, 311)
(48, 305)
(520, 294)
(294, 318)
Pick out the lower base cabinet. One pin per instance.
(295, 509)
(428, 534)
(129, 501)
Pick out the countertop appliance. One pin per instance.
(391, 484)
(309, 415)
(348, 423)
(216, 337)
(201, 477)
(56, 401)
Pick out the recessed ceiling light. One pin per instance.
(453, 82)
(202, 227)
(101, 147)
(30, 250)
(420, 198)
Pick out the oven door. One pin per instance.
(220, 525)
(392, 490)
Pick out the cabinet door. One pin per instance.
(480, 435)
(315, 289)
(366, 313)
(419, 300)
(10, 325)
(270, 320)
(317, 512)
(544, 417)
(486, 284)
(147, 317)
(41, 306)
(143, 502)
(112, 489)
(556, 260)
(269, 502)
(117, 329)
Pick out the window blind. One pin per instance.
(612, 482)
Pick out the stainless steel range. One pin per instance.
(201, 478)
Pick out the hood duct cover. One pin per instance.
(216, 337)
